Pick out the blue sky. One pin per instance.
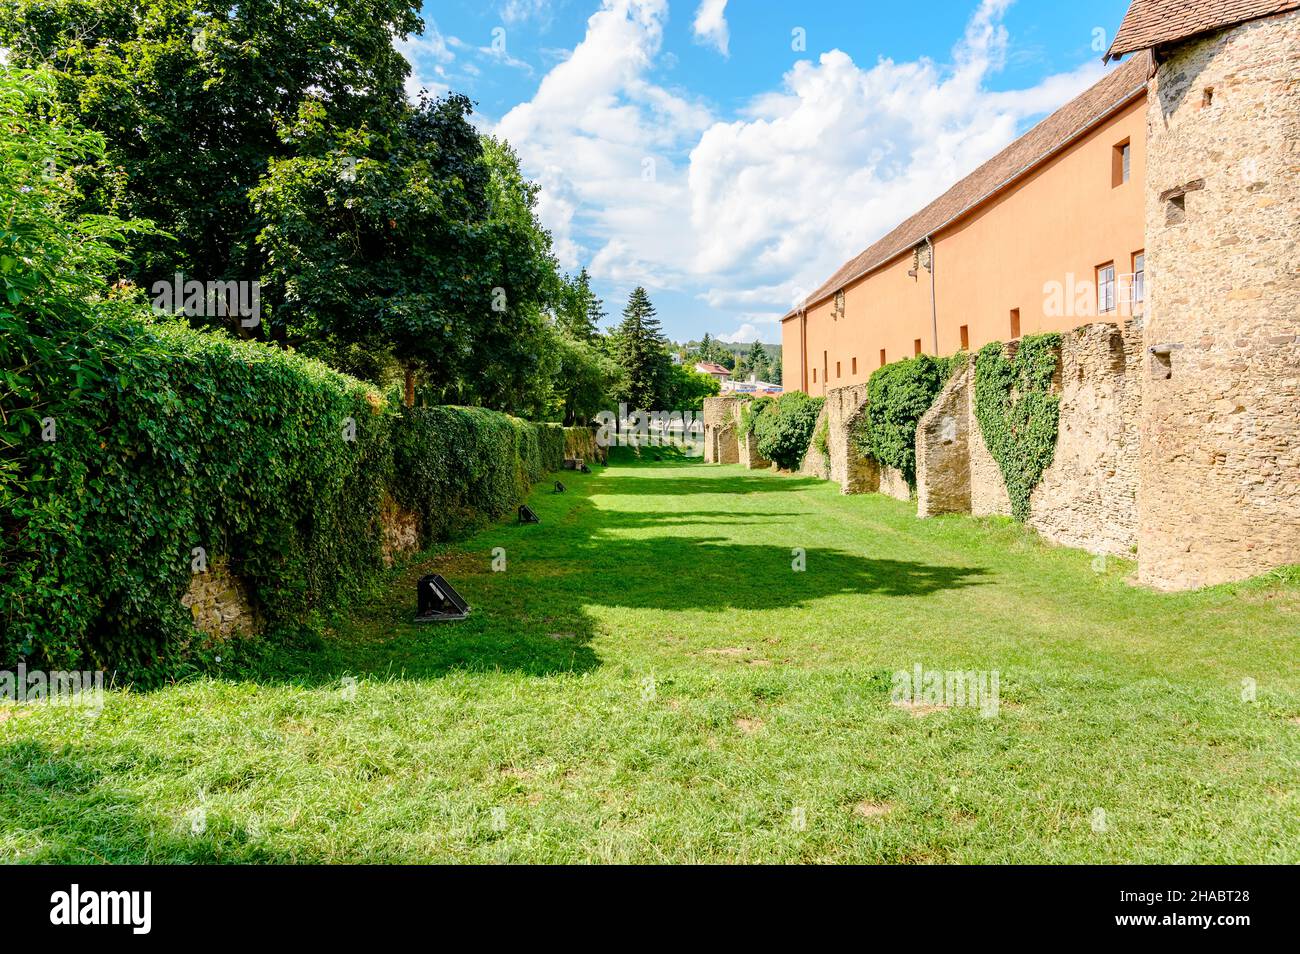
(730, 154)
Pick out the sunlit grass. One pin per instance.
(650, 680)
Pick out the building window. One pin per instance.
(1119, 164)
(916, 346)
(1106, 288)
(1139, 279)
(882, 357)
(814, 375)
(837, 369)
(855, 365)
(965, 337)
(1015, 322)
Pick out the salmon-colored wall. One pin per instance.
(1064, 217)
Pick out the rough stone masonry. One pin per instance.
(1219, 485)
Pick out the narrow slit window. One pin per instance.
(1015, 322)
(1120, 163)
(1139, 279)
(882, 357)
(837, 369)
(916, 346)
(965, 337)
(855, 365)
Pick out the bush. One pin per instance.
(1017, 412)
(783, 429)
(463, 466)
(751, 409)
(897, 395)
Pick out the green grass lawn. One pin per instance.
(650, 681)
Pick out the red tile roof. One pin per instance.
(1048, 137)
(1150, 23)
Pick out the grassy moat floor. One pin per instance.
(650, 680)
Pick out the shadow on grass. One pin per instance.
(537, 617)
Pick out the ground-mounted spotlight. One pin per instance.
(437, 601)
(586, 469)
(559, 487)
(526, 515)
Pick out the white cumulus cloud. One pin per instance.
(645, 185)
(710, 24)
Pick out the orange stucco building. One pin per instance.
(1045, 236)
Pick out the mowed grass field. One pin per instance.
(649, 680)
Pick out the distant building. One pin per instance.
(714, 370)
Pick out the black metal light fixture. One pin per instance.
(526, 515)
(559, 487)
(437, 601)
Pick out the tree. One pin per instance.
(194, 100)
(708, 348)
(583, 380)
(639, 348)
(687, 388)
(581, 312)
(422, 245)
(756, 360)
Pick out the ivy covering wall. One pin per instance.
(1017, 412)
(898, 394)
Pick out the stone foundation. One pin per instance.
(943, 475)
(221, 602)
(400, 530)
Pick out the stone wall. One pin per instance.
(720, 430)
(401, 530)
(221, 603)
(1087, 497)
(748, 449)
(1219, 490)
(854, 471)
(580, 444)
(815, 463)
(943, 450)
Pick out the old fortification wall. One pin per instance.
(1087, 496)
(720, 431)
(1219, 492)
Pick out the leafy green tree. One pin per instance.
(581, 312)
(583, 380)
(640, 349)
(687, 388)
(193, 100)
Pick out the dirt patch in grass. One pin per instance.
(919, 709)
(749, 726)
(872, 809)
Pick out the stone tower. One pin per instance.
(1219, 472)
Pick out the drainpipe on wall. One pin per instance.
(934, 311)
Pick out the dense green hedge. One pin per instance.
(462, 466)
(783, 429)
(898, 395)
(1017, 412)
(169, 439)
(751, 409)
